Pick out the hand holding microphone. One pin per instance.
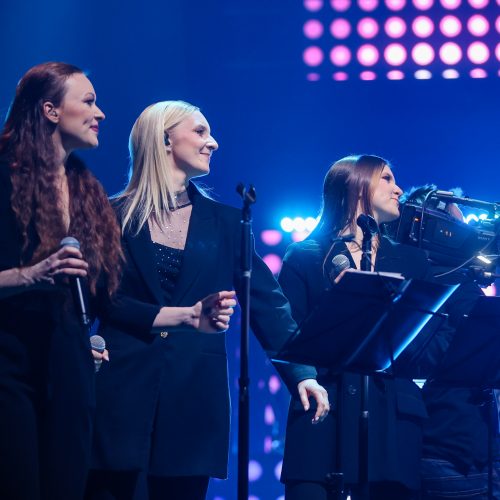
(76, 281)
(99, 351)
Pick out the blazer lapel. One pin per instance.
(201, 245)
(142, 252)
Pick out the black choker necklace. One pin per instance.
(181, 199)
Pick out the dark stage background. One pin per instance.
(241, 62)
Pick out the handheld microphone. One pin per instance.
(78, 286)
(339, 263)
(98, 344)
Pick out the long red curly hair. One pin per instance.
(26, 144)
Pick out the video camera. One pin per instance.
(426, 222)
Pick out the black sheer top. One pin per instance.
(168, 265)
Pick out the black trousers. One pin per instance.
(46, 397)
(126, 485)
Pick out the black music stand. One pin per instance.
(362, 325)
(472, 361)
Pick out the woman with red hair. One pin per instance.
(46, 366)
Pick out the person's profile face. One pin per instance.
(78, 116)
(191, 145)
(385, 197)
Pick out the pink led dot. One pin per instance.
(450, 74)
(271, 237)
(367, 75)
(450, 26)
(299, 235)
(422, 26)
(423, 4)
(367, 55)
(395, 27)
(340, 5)
(395, 4)
(478, 4)
(423, 74)
(395, 54)
(313, 29)
(395, 74)
(478, 52)
(254, 470)
(367, 27)
(340, 28)
(269, 417)
(268, 444)
(273, 262)
(368, 5)
(312, 77)
(340, 55)
(313, 5)
(497, 51)
(478, 25)
(451, 4)
(277, 470)
(313, 56)
(274, 384)
(450, 53)
(478, 73)
(340, 76)
(497, 24)
(422, 54)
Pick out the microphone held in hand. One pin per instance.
(339, 263)
(78, 286)
(98, 344)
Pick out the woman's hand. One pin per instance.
(310, 388)
(100, 356)
(212, 314)
(66, 261)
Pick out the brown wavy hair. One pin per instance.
(349, 181)
(26, 145)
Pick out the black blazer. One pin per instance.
(166, 395)
(46, 373)
(396, 407)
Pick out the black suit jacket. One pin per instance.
(46, 373)
(166, 396)
(396, 407)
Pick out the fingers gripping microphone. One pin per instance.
(98, 344)
(78, 286)
(339, 263)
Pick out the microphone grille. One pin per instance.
(97, 343)
(340, 262)
(69, 241)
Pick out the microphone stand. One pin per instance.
(369, 228)
(249, 197)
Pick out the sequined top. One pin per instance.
(168, 265)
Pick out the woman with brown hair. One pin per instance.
(354, 185)
(46, 365)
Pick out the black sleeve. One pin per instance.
(272, 322)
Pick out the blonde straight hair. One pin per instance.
(150, 191)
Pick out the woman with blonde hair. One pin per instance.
(163, 400)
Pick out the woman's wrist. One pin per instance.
(175, 316)
(24, 280)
